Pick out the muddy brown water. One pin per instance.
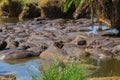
(23, 68)
(106, 68)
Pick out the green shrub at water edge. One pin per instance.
(61, 71)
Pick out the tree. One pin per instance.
(106, 11)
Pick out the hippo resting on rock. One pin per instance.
(16, 54)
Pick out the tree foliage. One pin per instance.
(109, 10)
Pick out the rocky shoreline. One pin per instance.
(47, 38)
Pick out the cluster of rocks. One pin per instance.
(65, 39)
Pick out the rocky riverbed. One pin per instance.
(67, 39)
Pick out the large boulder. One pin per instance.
(52, 52)
(74, 51)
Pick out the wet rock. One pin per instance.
(77, 35)
(39, 48)
(12, 44)
(25, 46)
(20, 40)
(16, 54)
(74, 28)
(65, 39)
(7, 76)
(75, 51)
(52, 52)
(101, 54)
(22, 34)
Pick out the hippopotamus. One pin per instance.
(16, 54)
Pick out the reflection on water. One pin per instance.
(11, 20)
(104, 30)
(20, 67)
(106, 67)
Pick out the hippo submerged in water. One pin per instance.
(16, 54)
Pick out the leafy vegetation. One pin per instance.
(107, 11)
(78, 4)
(64, 71)
(61, 71)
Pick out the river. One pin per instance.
(23, 67)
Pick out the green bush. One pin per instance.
(64, 71)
